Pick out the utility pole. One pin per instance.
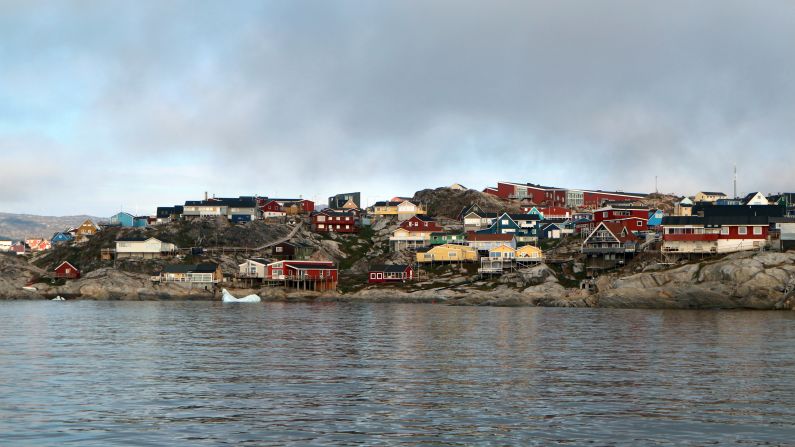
(735, 180)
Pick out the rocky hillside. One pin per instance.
(205, 233)
(26, 226)
(16, 272)
(446, 202)
(741, 280)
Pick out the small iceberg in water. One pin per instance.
(227, 297)
(59, 298)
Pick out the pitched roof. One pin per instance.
(66, 262)
(712, 193)
(617, 228)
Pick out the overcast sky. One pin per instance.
(133, 104)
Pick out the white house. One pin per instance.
(6, 245)
(406, 210)
(756, 198)
(709, 196)
(253, 268)
(140, 247)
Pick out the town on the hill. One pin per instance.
(505, 228)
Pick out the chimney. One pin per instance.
(205, 196)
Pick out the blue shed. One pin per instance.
(61, 237)
(238, 218)
(123, 219)
(655, 218)
(141, 221)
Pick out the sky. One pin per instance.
(110, 105)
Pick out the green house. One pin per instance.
(449, 237)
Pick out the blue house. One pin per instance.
(525, 233)
(141, 221)
(61, 237)
(550, 231)
(123, 219)
(655, 218)
(534, 211)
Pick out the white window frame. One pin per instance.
(742, 231)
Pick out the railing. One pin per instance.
(608, 250)
(180, 280)
(688, 237)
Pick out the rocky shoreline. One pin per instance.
(739, 281)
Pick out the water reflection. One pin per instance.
(119, 373)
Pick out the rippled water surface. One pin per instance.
(161, 373)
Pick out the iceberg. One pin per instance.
(227, 297)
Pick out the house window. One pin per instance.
(604, 214)
(278, 249)
(372, 275)
(742, 230)
(321, 226)
(757, 231)
(724, 231)
(639, 223)
(380, 276)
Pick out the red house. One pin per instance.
(390, 273)
(67, 271)
(271, 208)
(420, 223)
(636, 218)
(307, 275)
(335, 221)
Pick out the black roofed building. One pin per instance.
(241, 209)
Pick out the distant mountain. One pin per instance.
(24, 226)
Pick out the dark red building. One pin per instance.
(67, 271)
(336, 221)
(421, 223)
(390, 273)
(553, 196)
(308, 275)
(635, 218)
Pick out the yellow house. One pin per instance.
(503, 251)
(386, 208)
(85, 230)
(709, 196)
(447, 253)
(529, 253)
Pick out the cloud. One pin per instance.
(388, 97)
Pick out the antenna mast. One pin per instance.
(735, 180)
